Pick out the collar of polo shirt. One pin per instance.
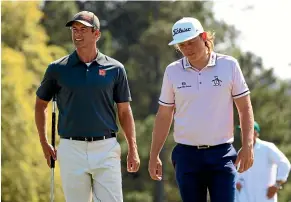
(211, 62)
(74, 58)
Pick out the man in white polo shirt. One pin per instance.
(198, 90)
(269, 172)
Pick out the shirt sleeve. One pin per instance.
(283, 164)
(121, 91)
(240, 87)
(167, 97)
(48, 85)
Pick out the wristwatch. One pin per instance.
(278, 185)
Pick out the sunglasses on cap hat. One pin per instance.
(87, 18)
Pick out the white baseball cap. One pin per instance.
(185, 29)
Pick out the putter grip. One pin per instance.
(53, 136)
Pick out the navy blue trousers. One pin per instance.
(200, 169)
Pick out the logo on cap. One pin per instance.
(86, 17)
(180, 30)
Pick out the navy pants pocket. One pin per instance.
(222, 176)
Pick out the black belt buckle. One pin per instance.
(89, 139)
(203, 146)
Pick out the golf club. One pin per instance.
(53, 144)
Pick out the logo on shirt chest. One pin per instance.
(216, 81)
(184, 85)
(102, 72)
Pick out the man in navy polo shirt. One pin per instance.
(87, 84)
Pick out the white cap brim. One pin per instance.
(176, 41)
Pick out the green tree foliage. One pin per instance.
(25, 55)
(56, 15)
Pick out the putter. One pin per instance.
(53, 144)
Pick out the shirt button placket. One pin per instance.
(199, 81)
(86, 70)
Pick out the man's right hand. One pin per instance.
(155, 168)
(48, 152)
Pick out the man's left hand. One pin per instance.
(245, 158)
(272, 190)
(133, 161)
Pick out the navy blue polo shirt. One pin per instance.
(86, 95)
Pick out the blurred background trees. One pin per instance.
(136, 33)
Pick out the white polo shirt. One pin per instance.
(203, 99)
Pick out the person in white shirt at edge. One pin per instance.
(198, 91)
(269, 172)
